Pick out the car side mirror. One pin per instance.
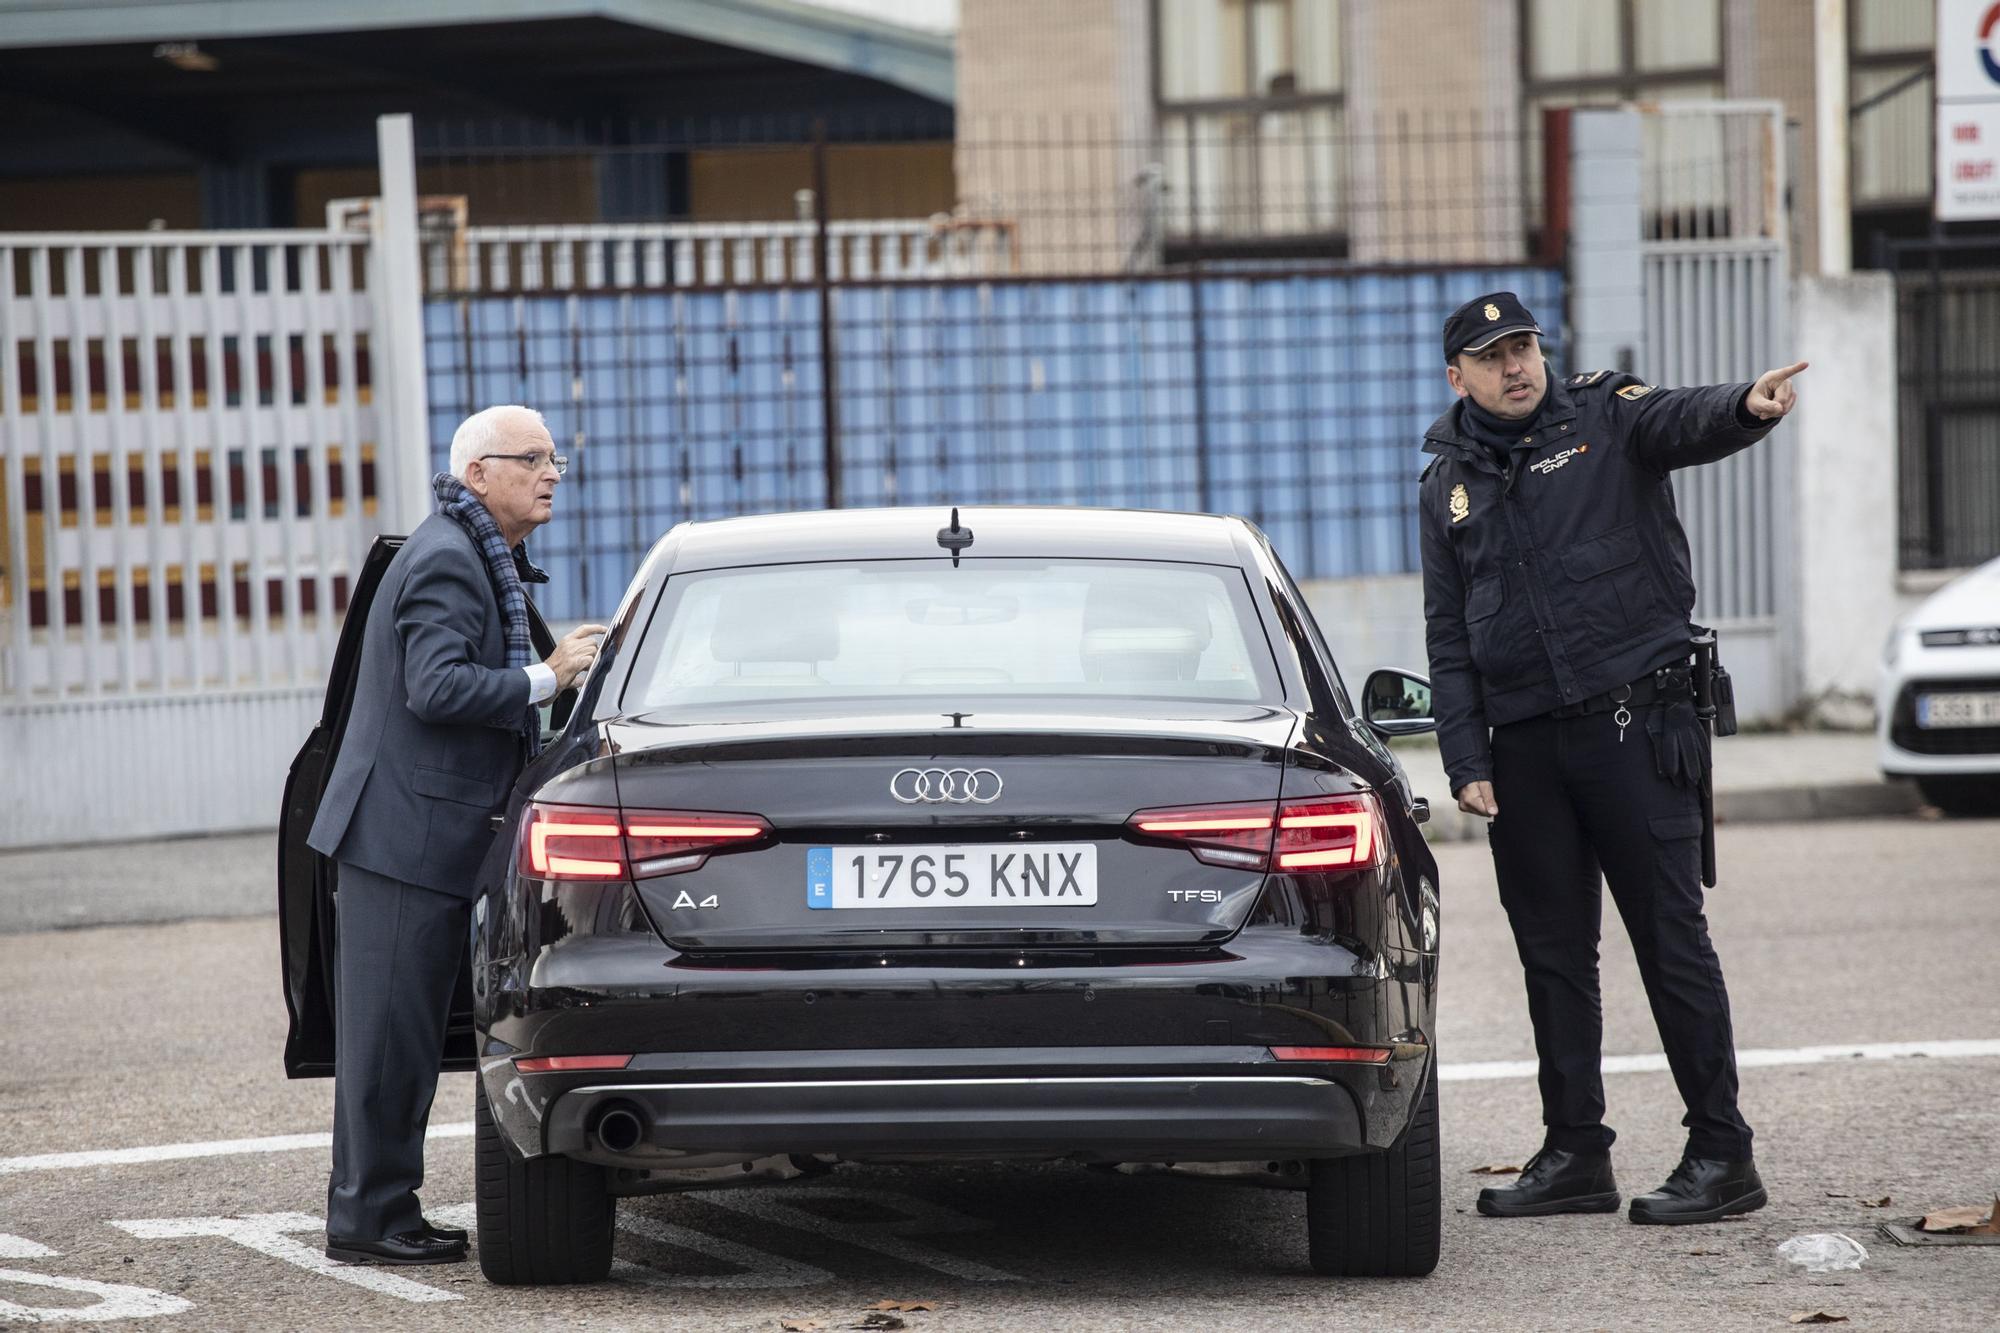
(1397, 703)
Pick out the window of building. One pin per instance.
(1251, 98)
(1602, 52)
(1889, 84)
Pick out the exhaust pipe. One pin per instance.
(619, 1128)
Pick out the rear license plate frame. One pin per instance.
(1062, 875)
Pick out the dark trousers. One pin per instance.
(400, 952)
(1573, 799)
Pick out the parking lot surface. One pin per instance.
(156, 1168)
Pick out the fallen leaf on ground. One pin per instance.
(1818, 1317)
(1494, 1171)
(904, 1305)
(1971, 1220)
(1882, 1202)
(800, 1325)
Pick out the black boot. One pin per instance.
(1555, 1181)
(1702, 1189)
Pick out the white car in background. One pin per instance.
(1938, 707)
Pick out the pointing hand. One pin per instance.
(1773, 395)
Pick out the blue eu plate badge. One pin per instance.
(819, 877)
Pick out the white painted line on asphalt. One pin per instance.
(176, 1152)
(266, 1234)
(20, 1247)
(1754, 1059)
(1469, 1072)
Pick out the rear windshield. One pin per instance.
(992, 629)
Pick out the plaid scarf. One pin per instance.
(506, 569)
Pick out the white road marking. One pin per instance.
(1753, 1059)
(114, 1301)
(762, 1270)
(1469, 1072)
(20, 1247)
(265, 1233)
(175, 1152)
(890, 1237)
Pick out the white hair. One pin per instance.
(487, 432)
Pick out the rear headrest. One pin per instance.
(778, 625)
(1112, 604)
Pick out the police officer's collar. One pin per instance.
(1447, 434)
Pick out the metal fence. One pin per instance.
(1298, 400)
(1948, 373)
(1225, 313)
(188, 432)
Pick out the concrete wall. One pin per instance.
(1371, 622)
(1845, 431)
(1436, 159)
(1054, 125)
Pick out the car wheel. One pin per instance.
(1381, 1214)
(542, 1220)
(1962, 796)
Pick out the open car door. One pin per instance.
(308, 883)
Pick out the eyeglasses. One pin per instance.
(537, 461)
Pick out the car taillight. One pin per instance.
(1329, 832)
(572, 842)
(1238, 836)
(1304, 833)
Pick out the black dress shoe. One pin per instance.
(1555, 1181)
(1702, 1189)
(405, 1247)
(455, 1235)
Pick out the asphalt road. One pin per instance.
(1832, 934)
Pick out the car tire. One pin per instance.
(543, 1221)
(1381, 1214)
(1962, 796)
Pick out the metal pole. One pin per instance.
(1836, 242)
(829, 397)
(1197, 320)
(398, 301)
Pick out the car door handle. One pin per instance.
(1420, 809)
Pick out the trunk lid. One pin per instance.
(1063, 783)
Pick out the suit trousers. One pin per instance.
(1576, 798)
(400, 950)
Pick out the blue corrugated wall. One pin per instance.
(1302, 398)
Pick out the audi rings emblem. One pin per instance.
(936, 786)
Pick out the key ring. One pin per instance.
(1623, 717)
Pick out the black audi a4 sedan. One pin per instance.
(915, 836)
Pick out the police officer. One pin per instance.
(1557, 597)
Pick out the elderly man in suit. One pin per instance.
(442, 723)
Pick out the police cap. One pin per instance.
(1482, 319)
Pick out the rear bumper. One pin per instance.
(1112, 1118)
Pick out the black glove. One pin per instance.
(1680, 742)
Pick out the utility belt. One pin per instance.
(1688, 702)
(1703, 679)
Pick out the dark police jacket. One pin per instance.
(436, 738)
(1566, 574)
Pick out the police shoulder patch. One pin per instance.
(1636, 390)
(1586, 378)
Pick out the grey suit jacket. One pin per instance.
(435, 738)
